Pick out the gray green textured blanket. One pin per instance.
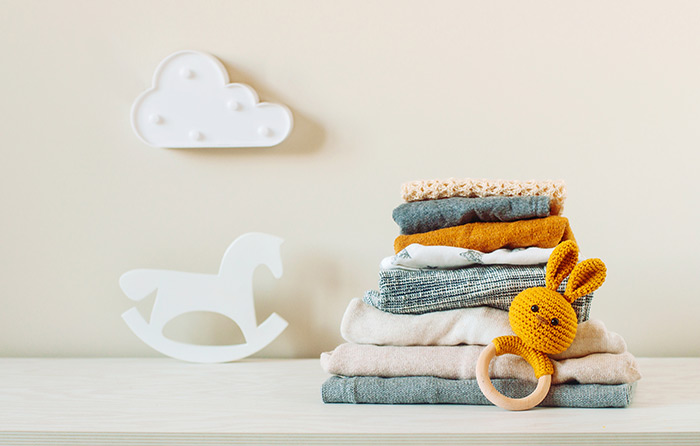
(431, 390)
(429, 215)
(417, 292)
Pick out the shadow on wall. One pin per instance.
(307, 297)
(306, 137)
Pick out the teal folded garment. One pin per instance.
(429, 215)
(432, 390)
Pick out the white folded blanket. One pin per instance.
(365, 324)
(460, 363)
(417, 256)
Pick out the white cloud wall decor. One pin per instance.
(192, 104)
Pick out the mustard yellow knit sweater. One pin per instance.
(487, 237)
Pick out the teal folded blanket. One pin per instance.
(429, 215)
(431, 390)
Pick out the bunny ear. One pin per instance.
(587, 277)
(560, 263)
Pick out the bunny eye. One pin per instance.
(535, 308)
(555, 321)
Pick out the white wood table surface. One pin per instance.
(164, 401)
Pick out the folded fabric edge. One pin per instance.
(419, 190)
(397, 305)
(427, 215)
(433, 390)
(417, 257)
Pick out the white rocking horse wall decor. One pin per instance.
(230, 293)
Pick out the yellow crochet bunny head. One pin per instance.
(543, 318)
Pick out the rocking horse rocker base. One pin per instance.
(256, 341)
(228, 293)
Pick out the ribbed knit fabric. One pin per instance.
(416, 292)
(429, 215)
(431, 390)
(514, 345)
(545, 232)
(470, 187)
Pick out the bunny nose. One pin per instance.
(541, 320)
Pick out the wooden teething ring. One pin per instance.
(496, 397)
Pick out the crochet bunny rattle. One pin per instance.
(544, 323)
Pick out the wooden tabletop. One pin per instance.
(164, 401)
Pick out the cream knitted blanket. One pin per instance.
(471, 188)
(364, 324)
(460, 363)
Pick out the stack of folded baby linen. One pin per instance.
(503, 231)
(441, 300)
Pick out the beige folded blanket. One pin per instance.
(472, 188)
(460, 363)
(365, 324)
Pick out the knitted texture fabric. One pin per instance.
(459, 362)
(586, 277)
(560, 263)
(453, 187)
(432, 390)
(512, 344)
(364, 324)
(544, 319)
(424, 216)
(416, 292)
(551, 328)
(545, 232)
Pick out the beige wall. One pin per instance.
(605, 95)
